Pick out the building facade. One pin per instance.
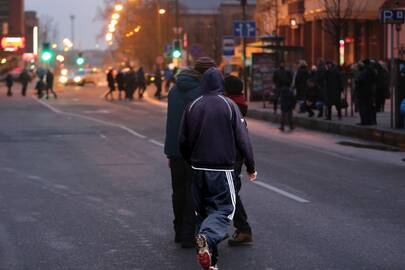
(345, 33)
(206, 28)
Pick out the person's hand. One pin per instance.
(252, 176)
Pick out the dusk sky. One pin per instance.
(87, 28)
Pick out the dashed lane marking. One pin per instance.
(156, 143)
(281, 192)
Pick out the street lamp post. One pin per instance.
(245, 79)
(72, 28)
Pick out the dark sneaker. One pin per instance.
(240, 239)
(203, 252)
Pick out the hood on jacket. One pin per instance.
(188, 79)
(213, 82)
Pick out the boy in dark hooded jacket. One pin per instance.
(211, 128)
(243, 233)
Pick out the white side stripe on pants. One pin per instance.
(232, 190)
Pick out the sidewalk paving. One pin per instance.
(381, 133)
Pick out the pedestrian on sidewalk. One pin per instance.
(364, 88)
(49, 84)
(211, 128)
(313, 99)
(120, 80)
(25, 78)
(243, 232)
(281, 78)
(287, 104)
(111, 84)
(333, 90)
(158, 82)
(301, 80)
(141, 82)
(186, 89)
(130, 84)
(9, 84)
(40, 87)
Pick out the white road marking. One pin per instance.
(156, 143)
(103, 136)
(34, 177)
(281, 192)
(97, 112)
(107, 123)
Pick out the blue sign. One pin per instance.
(244, 29)
(393, 16)
(228, 46)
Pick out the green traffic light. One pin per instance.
(80, 61)
(46, 56)
(176, 53)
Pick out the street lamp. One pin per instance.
(118, 7)
(115, 16)
(162, 11)
(108, 37)
(293, 23)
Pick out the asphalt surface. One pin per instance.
(84, 185)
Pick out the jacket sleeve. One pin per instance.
(183, 138)
(242, 139)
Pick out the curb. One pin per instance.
(384, 136)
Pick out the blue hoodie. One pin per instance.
(212, 129)
(185, 91)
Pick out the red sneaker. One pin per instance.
(203, 252)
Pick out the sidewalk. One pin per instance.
(381, 133)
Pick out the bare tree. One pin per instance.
(337, 15)
(49, 29)
(268, 16)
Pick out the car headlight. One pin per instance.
(63, 79)
(77, 79)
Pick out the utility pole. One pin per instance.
(72, 28)
(245, 79)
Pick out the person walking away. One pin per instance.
(211, 130)
(287, 104)
(49, 84)
(120, 80)
(111, 84)
(281, 78)
(141, 82)
(9, 84)
(333, 90)
(185, 91)
(40, 87)
(24, 79)
(243, 232)
(158, 83)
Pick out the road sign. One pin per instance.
(228, 46)
(393, 16)
(244, 29)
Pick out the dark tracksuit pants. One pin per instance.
(240, 219)
(184, 216)
(214, 201)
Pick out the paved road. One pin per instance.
(84, 185)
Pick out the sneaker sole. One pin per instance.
(203, 255)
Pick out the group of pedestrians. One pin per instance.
(206, 144)
(127, 82)
(321, 89)
(43, 87)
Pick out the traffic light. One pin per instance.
(47, 55)
(176, 53)
(80, 59)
